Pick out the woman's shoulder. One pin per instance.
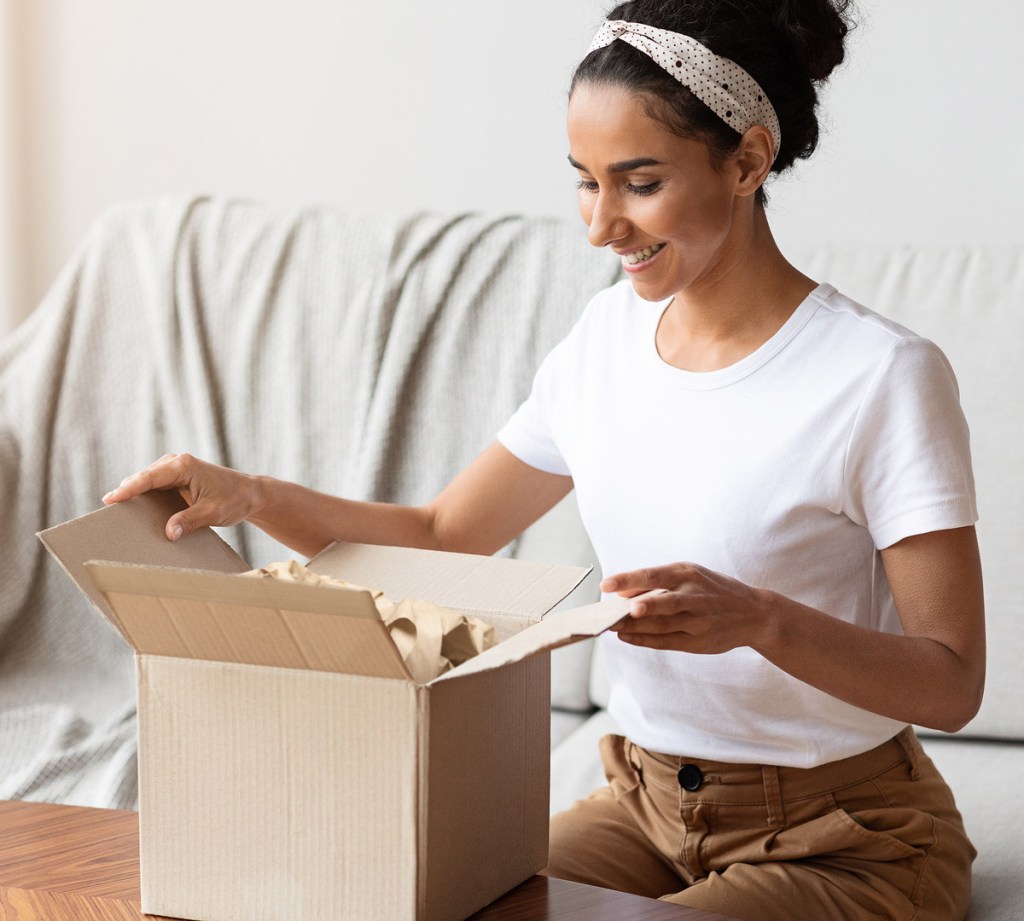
(855, 317)
(859, 327)
(869, 345)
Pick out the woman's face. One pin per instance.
(653, 197)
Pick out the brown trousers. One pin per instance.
(873, 836)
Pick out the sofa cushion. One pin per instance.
(575, 762)
(563, 724)
(977, 771)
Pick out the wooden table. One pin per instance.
(68, 863)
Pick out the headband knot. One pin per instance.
(721, 84)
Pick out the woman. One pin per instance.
(778, 477)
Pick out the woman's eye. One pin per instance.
(590, 185)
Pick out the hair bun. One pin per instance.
(788, 46)
(816, 31)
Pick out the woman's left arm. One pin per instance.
(933, 675)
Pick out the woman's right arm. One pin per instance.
(488, 504)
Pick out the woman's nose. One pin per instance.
(607, 224)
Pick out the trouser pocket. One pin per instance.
(622, 775)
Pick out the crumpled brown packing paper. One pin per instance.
(430, 639)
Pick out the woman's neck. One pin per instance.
(737, 307)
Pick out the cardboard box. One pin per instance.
(289, 768)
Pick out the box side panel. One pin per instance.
(487, 787)
(275, 793)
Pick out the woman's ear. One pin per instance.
(753, 159)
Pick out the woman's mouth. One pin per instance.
(638, 259)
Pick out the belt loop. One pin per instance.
(773, 796)
(908, 742)
(633, 757)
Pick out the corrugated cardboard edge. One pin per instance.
(422, 795)
(561, 629)
(133, 532)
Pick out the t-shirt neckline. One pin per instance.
(723, 377)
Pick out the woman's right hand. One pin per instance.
(217, 496)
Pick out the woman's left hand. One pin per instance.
(689, 608)
(931, 674)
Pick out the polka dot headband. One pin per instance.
(722, 85)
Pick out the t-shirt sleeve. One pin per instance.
(536, 432)
(908, 466)
(531, 432)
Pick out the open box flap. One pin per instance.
(192, 614)
(561, 629)
(506, 593)
(133, 532)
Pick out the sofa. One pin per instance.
(373, 357)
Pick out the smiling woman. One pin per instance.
(645, 188)
(785, 442)
(778, 477)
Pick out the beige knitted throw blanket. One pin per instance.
(368, 357)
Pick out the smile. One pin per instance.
(642, 255)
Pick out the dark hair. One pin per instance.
(787, 46)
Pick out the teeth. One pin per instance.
(641, 254)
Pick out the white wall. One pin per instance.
(15, 294)
(924, 130)
(452, 106)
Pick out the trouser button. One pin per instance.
(690, 777)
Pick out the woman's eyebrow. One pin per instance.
(623, 166)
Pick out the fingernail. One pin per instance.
(107, 496)
(176, 532)
(610, 585)
(637, 609)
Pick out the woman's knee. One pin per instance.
(598, 843)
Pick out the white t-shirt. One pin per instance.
(788, 470)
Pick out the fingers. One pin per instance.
(169, 472)
(185, 522)
(172, 471)
(656, 601)
(667, 614)
(630, 584)
(687, 608)
(207, 512)
(683, 631)
(678, 641)
(216, 496)
(659, 601)
(652, 640)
